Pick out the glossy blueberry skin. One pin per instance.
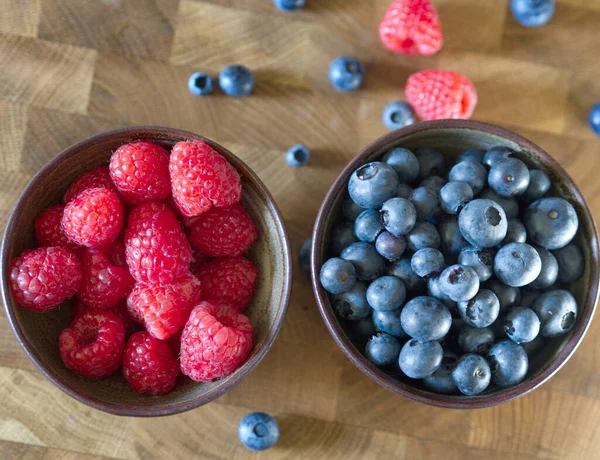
(441, 380)
(521, 324)
(549, 271)
(404, 162)
(594, 119)
(516, 233)
(373, 184)
(398, 114)
(450, 235)
(258, 431)
(304, 255)
(386, 293)
(508, 362)
(425, 318)
(297, 156)
(389, 246)
(426, 203)
(557, 311)
(483, 223)
(389, 322)
(346, 73)
(350, 209)
(433, 290)
(473, 155)
(398, 216)
(551, 222)
(431, 163)
(368, 226)
(539, 184)
(352, 305)
(528, 297)
(571, 263)
(472, 374)
(459, 282)
(532, 13)
(508, 296)
(419, 360)
(402, 269)
(404, 191)
(201, 84)
(509, 177)
(342, 237)
(476, 339)
(496, 154)
(337, 275)
(482, 310)
(427, 261)
(517, 264)
(236, 80)
(470, 172)
(382, 349)
(479, 259)
(510, 205)
(289, 5)
(366, 260)
(363, 329)
(454, 196)
(433, 183)
(423, 235)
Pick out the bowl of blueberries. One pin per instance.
(456, 264)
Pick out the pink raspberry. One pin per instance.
(41, 279)
(215, 342)
(141, 172)
(231, 279)
(224, 232)
(98, 177)
(48, 231)
(78, 308)
(116, 253)
(201, 178)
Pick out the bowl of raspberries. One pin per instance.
(456, 264)
(145, 271)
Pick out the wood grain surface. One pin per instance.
(74, 68)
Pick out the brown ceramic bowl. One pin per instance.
(37, 333)
(453, 137)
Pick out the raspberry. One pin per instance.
(224, 232)
(175, 342)
(48, 231)
(79, 308)
(165, 309)
(411, 27)
(230, 279)
(156, 248)
(198, 260)
(141, 172)
(98, 177)
(436, 95)
(216, 340)
(94, 218)
(41, 279)
(93, 344)
(116, 253)
(103, 284)
(201, 179)
(149, 364)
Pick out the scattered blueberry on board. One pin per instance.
(532, 13)
(304, 255)
(455, 273)
(200, 84)
(398, 114)
(595, 119)
(258, 431)
(297, 156)
(290, 5)
(346, 73)
(236, 80)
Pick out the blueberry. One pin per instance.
(389, 322)
(539, 184)
(528, 297)
(479, 259)
(352, 305)
(419, 360)
(510, 205)
(497, 327)
(441, 380)
(367, 262)
(434, 183)
(399, 216)
(594, 119)
(350, 209)
(346, 73)
(509, 177)
(398, 114)
(459, 282)
(551, 222)
(402, 269)
(521, 324)
(368, 226)
(342, 237)
(454, 196)
(297, 156)
(433, 290)
(450, 235)
(304, 255)
(508, 296)
(476, 339)
(404, 191)
(482, 310)
(426, 203)
(473, 155)
(531, 348)
(337, 275)
(571, 263)
(386, 293)
(425, 318)
(373, 184)
(382, 349)
(427, 261)
(404, 162)
(508, 362)
(483, 223)
(431, 163)
(470, 172)
(517, 264)
(389, 246)
(423, 235)
(557, 311)
(363, 329)
(532, 13)
(496, 154)
(472, 374)
(236, 80)
(258, 431)
(289, 5)
(200, 84)
(516, 232)
(549, 272)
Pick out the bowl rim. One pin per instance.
(385, 380)
(140, 133)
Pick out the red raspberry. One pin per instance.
(230, 279)
(436, 95)
(156, 248)
(41, 279)
(92, 346)
(116, 253)
(94, 218)
(165, 309)
(149, 364)
(224, 232)
(411, 27)
(79, 308)
(201, 178)
(198, 260)
(216, 340)
(48, 231)
(98, 177)
(141, 172)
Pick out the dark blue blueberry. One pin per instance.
(521, 324)
(454, 196)
(528, 297)
(423, 235)
(337, 275)
(571, 263)
(398, 114)
(507, 295)
(509, 177)
(516, 233)
(427, 261)
(289, 5)
(532, 13)
(441, 380)
(431, 163)
(404, 191)
(549, 272)
(472, 374)
(594, 119)
(483, 223)
(473, 155)
(386, 293)
(404, 162)
(508, 362)
(382, 349)
(476, 339)
(470, 172)
(346, 73)
(342, 237)
(426, 203)
(517, 264)
(459, 282)
(425, 318)
(434, 183)
(510, 205)
(557, 311)
(496, 154)
(482, 310)
(419, 360)
(373, 184)
(368, 226)
(402, 269)
(363, 329)
(480, 260)
(352, 305)
(350, 209)
(551, 222)
(236, 80)
(389, 246)
(258, 431)
(304, 255)
(389, 322)
(366, 260)
(399, 216)
(297, 156)
(200, 84)
(452, 239)
(539, 184)
(433, 290)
